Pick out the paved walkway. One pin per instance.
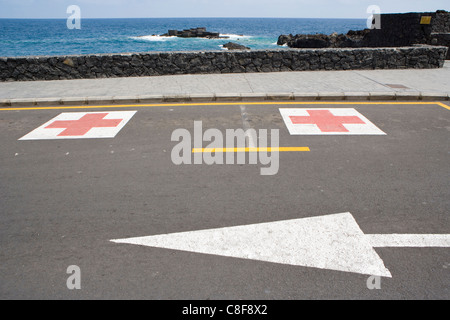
(429, 84)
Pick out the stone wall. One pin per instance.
(397, 30)
(406, 29)
(440, 22)
(170, 63)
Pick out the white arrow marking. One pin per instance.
(333, 242)
(409, 240)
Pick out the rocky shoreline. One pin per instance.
(353, 39)
(403, 42)
(397, 30)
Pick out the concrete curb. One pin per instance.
(228, 97)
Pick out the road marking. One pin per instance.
(82, 125)
(234, 150)
(326, 121)
(330, 121)
(223, 104)
(409, 240)
(332, 242)
(443, 105)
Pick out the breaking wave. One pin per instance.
(152, 38)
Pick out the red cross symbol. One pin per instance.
(326, 121)
(84, 124)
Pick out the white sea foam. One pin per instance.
(165, 38)
(235, 36)
(152, 38)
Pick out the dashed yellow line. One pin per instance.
(236, 150)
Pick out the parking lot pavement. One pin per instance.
(356, 206)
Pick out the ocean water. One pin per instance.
(25, 37)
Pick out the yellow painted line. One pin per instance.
(443, 105)
(235, 150)
(224, 104)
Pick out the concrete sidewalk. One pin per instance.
(411, 84)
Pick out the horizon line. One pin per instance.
(65, 18)
(212, 17)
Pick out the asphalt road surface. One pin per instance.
(64, 200)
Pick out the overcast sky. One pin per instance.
(213, 8)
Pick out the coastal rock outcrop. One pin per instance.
(397, 30)
(353, 39)
(235, 46)
(194, 33)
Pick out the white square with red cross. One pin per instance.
(327, 121)
(82, 125)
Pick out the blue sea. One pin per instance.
(25, 37)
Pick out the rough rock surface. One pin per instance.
(397, 30)
(170, 63)
(235, 46)
(194, 33)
